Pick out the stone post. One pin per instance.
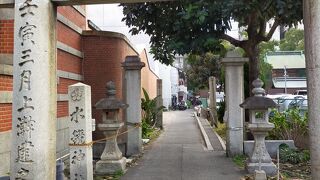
(33, 148)
(80, 131)
(159, 103)
(212, 97)
(311, 18)
(132, 93)
(234, 96)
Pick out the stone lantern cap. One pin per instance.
(110, 103)
(258, 101)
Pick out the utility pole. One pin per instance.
(285, 79)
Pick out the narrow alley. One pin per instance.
(179, 153)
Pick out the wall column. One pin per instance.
(132, 93)
(33, 149)
(234, 97)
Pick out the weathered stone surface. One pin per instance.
(269, 168)
(271, 145)
(80, 131)
(260, 175)
(132, 91)
(5, 140)
(111, 159)
(34, 91)
(234, 96)
(110, 166)
(259, 126)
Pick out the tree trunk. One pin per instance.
(252, 52)
(311, 17)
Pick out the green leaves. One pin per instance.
(293, 40)
(150, 109)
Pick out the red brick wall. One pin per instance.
(68, 36)
(5, 83)
(66, 61)
(62, 109)
(148, 78)
(5, 117)
(69, 62)
(6, 36)
(74, 15)
(103, 55)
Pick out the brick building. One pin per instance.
(92, 57)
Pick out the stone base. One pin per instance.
(269, 168)
(110, 166)
(260, 175)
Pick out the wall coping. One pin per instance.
(110, 34)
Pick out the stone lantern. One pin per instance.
(111, 159)
(259, 125)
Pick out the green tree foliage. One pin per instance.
(293, 40)
(200, 68)
(198, 26)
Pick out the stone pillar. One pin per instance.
(311, 18)
(132, 93)
(33, 149)
(234, 96)
(80, 131)
(159, 103)
(212, 97)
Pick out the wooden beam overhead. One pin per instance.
(84, 2)
(6, 3)
(10, 3)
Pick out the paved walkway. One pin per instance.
(179, 154)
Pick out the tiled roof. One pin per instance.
(290, 59)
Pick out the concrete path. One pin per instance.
(179, 154)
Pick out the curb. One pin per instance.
(222, 142)
(204, 134)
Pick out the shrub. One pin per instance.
(221, 110)
(221, 129)
(149, 114)
(288, 125)
(293, 156)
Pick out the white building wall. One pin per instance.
(174, 81)
(164, 74)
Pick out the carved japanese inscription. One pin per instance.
(22, 174)
(25, 80)
(77, 114)
(27, 8)
(24, 152)
(25, 126)
(26, 33)
(78, 136)
(26, 104)
(26, 57)
(77, 156)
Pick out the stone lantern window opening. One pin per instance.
(110, 116)
(259, 116)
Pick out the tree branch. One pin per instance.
(262, 28)
(232, 40)
(270, 33)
